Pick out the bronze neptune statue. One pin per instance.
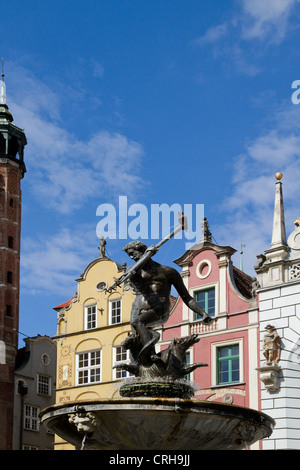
(152, 283)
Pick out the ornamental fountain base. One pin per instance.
(156, 410)
(157, 389)
(147, 423)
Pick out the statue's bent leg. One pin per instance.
(147, 336)
(140, 323)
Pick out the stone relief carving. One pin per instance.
(294, 238)
(294, 271)
(227, 398)
(269, 377)
(255, 286)
(65, 366)
(244, 433)
(85, 422)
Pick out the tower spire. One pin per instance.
(3, 94)
(270, 267)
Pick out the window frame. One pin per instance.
(31, 420)
(229, 359)
(111, 312)
(43, 385)
(124, 373)
(205, 287)
(215, 365)
(206, 302)
(87, 314)
(89, 368)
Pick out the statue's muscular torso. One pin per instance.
(153, 286)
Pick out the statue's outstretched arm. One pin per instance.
(186, 297)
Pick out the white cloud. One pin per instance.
(266, 18)
(66, 171)
(235, 55)
(250, 205)
(255, 190)
(53, 263)
(275, 147)
(117, 159)
(266, 21)
(212, 35)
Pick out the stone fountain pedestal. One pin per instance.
(147, 423)
(157, 411)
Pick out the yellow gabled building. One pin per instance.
(90, 329)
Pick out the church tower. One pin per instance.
(12, 169)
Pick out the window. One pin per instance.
(207, 300)
(9, 277)
(2, 150)
(188, 362)
(101, 286)
(89, 367)
(31, 420)
(22, 389)
(45, 359)
(203, 269)
(120, 355)
(13, 146)
(90, 317)
(115, 311)
(228, 358)
(8, 310)
(44, 385)
(10, 242)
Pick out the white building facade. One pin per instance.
(278, 276)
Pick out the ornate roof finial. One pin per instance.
(205, 231)
(5, 113)
(3, 94)
(297, 222)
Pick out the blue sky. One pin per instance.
(184, 102)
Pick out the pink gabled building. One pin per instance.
(230, 344)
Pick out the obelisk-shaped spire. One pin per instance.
(278, 233)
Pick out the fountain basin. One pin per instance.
(146, 423)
